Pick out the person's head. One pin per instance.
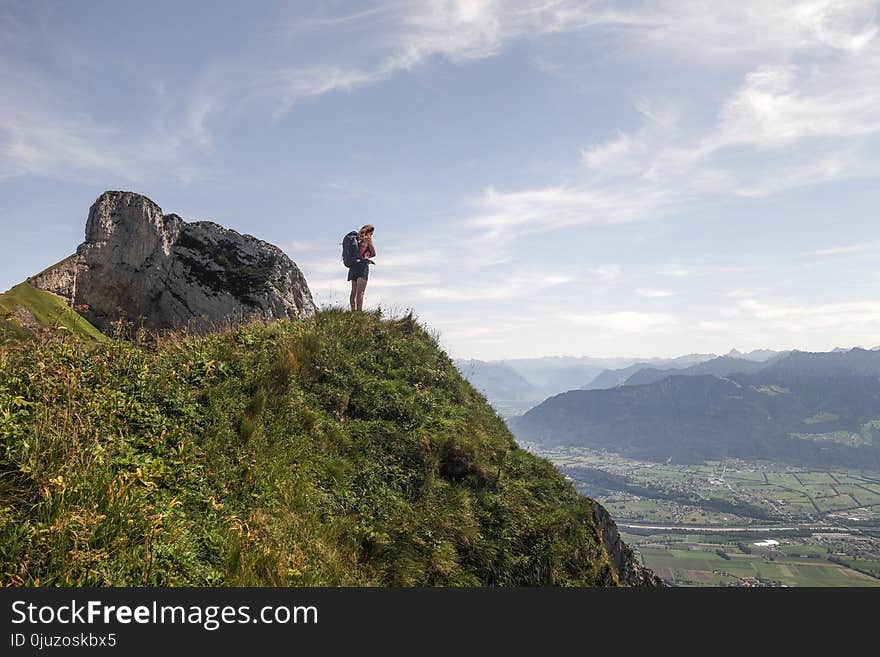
(366, 231)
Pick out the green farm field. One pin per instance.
(708, 524)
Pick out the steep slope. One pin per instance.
(340, 450)
(26, 311)
(805, 408)
(159, 271)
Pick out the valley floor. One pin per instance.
(736, 523)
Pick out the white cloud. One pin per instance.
(864, 247)
(615, 157)
(664, 116)
(398, 37)
(675, 270)
(655, 294)
(468, 333)
(607, 272)
(814, 126)
(751, 27)
(828, 168)
(626, 321)
(783, 128)
(294, 248)
(528, 286)
(769, 110)
(507, 215)
(699, 269)
(407, 34)
(740, 293)
(389, 38)
(799, 317)
(44, 133)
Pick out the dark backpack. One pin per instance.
(350, 249)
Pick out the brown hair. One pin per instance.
(365, 230)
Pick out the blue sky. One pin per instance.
(545, 177)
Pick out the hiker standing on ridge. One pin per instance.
(359, 269)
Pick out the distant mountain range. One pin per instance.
(516, 385)
(721, 366)
(611, 378)
(648, 372)
(507, 390)
(560, 373)
(800, 407)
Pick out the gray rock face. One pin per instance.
(629, 571)
(59, 279)
(159, 271)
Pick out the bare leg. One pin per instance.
(353, 296)
(361, 286)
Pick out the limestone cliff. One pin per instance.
(629, 571)
(159, 271)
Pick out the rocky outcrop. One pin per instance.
(629, 571)
(25, 319)
(159, 271)
(59, 279)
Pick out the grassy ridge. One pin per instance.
(48, 310)
(341, 450)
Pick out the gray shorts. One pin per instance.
(359, 270)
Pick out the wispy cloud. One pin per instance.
(44, 133)
(742, 293)
(784, 126)
(607, 272)
(295, 248)
(391, 38)
(797, 318)
(864, 247)
(689, 270)
(655, 294)
(756, 27)
(627, 321)
(402, 36)
(507, 215)
(504, 287)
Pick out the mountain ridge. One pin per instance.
(805, 408)
(720, 366)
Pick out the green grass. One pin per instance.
(340, 450)
(49, 311)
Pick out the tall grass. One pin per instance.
(340, 450)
